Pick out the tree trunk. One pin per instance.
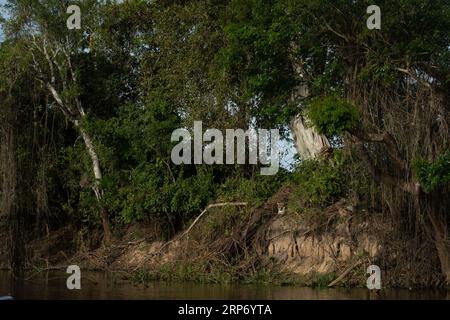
(443, 250)
(9, 204)
(441, 238)
(97, 188)
(309, 143)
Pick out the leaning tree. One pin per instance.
(59, 59)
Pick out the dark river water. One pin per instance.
(104, 286)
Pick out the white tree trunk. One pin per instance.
(92, 152)
(308, 142)
(74, 113)
(98, 176)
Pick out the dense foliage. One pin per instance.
(87, 115)
(434, 175)
(333, 116)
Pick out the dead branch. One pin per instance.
(414, 76)
(209, 207)
(347, 271)
(195, 221)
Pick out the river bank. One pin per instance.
(236, 245)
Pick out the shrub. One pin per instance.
(255, 190)
(433, 175)
(318, 183)
(333, 116)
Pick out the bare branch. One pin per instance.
(415, 77)
(50, 63)
(241, 204)
(57, 97)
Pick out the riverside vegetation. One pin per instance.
(86, 118)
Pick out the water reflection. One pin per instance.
(102, 285)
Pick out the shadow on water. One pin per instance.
(103, 285)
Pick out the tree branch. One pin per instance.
(63, 108)
(214, 205)
(384, 178)
(415, 77)
(388, 141)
